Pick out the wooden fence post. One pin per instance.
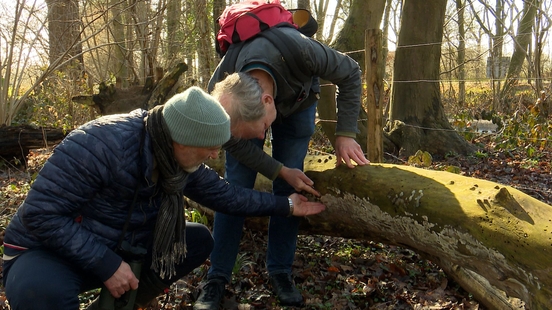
(374, 92)
(327, 110)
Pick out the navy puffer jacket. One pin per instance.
(80, 200)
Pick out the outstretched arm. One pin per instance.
(255, 158)
(206, 187)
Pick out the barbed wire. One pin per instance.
(546, 79)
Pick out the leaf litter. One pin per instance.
(331, 272)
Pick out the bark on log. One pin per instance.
(16, 141)
(494, 240)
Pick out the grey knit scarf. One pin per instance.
(169, 237)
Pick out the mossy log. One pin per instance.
(494, 240)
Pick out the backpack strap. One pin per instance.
(262, 27)
(228, 64)
(290, 53)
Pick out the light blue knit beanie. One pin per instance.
(195, 118)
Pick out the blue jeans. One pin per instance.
(290, 142)
(41, 279)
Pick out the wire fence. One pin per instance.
(478, 56)
(497, 134)
(476, 131)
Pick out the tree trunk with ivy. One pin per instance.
(490, 238)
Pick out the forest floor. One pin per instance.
(332, 273)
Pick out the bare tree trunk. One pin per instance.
(521, 47)
(478, 72)
(64, 28)
(417, 118)
(461, 55)
(385, 31)
(140, 31)
(363, 15)
(204, 49)
(338, 7)
(320, 10)
(156, 27)
(497, 45)
(218, 8)
(174, 34)
(542, 25)
(119, 65)
(496, 41)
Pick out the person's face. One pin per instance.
(258, 128)
(190, 158)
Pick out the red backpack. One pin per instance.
(244, 20)
(264, 18)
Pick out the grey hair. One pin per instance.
(243, 95)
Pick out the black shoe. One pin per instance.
(285, 289)
(211, 295)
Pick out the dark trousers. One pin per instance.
(290, 142)
(41, 279)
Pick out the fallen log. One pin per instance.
(494, 240)
(16, 141)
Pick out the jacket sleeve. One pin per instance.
(71, 177)
(206, 187)
(253, 157)
(342, 71)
